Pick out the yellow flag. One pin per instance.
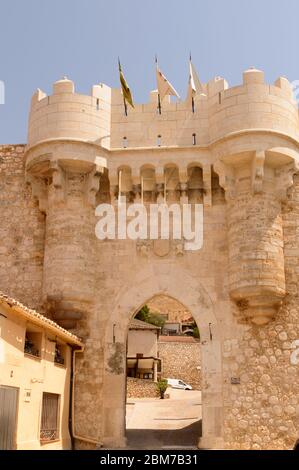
(125, 87)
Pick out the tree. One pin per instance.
(147, 316)
(156, 319)
(143, 314)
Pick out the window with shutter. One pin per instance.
(49, 430)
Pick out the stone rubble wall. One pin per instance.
(262, 412)
(180, 361)
(22, 231)
(141, 388)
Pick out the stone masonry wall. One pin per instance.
(265, 405)
(127, 279)
(141, 388)
(21, 231)
(180, 361)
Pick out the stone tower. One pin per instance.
(63, 167)
(236, 154)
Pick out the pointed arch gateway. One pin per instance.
(175, 282)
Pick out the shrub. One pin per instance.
(162, 385)
(147, 316)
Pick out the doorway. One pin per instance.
(155, 280)
(163, 350)
(8, 417)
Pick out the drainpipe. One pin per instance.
(71, 399)
(73, 434)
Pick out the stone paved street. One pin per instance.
(170, 423)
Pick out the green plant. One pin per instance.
(143, 314)
(156, 319)
(196, 333)
(162, 385)
(147, 316)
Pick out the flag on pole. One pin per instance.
(127, 96)
(192, 87)
(164, 86)
(195, 86)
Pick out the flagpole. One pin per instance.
(192, 100)
(125, 104)
(126, 107)
(159, 103)
(159, 98)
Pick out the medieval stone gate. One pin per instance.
(179, 284)
(237, 155)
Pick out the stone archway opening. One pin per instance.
(163, 344)
(180, 285)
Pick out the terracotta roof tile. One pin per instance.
(178, 339)
(35, 316)
(136, 324)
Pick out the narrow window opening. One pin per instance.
(159, 140)
(98, 104)
(193, 139)
(125, 142)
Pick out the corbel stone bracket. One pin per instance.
(207, 185)
(160, 193)
(184, 193)
(136, 190)
(114, 185)
(39, 191)
(93, 184)
(113, 193)
(257, 172)
(58, 180)
(226, 179)
(160, 183)
(284, 176)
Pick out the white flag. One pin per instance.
(195, 86)
(163, 85)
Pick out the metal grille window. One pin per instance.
(49, 430)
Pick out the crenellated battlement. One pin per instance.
(68, 115)
(99, 117)
(218, 113)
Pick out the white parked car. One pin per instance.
(175, 383)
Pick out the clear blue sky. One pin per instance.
(42, 40)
